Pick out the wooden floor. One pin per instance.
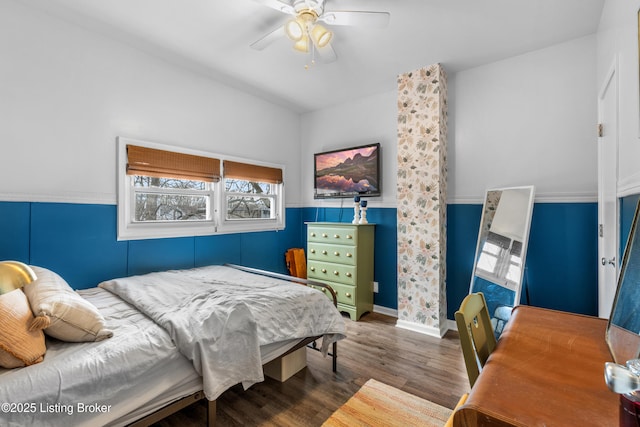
(428, 367)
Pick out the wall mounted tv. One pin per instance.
(347, 172)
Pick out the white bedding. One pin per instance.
(219, 317)
(138, 366)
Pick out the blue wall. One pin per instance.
(385, 252)
(561, 269)
(627, 211)
(78, 241)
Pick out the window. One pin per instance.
(169, 199)
(164, 192)
(252, 195)
(248, 200)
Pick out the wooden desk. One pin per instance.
(547, 370)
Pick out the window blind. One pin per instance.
(249, 172)
(167, 164)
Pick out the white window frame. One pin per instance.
(260, 224)
(128, 229)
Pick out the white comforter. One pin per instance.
(219, 316)
(96, 383)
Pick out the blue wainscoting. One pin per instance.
(561, 268)
(15, 231)
(79, 242)
(627, 212)
(463, 224)
(385, 247)
(562, 262)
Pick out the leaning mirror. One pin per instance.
(623, 330)
(501, 250)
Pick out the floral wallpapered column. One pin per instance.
(422, 190)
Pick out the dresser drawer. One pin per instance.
(346, 294)
(334, 235)
(339, 254)
(324, 290)
(329, 272)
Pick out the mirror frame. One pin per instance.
(625, 344)
(525, 240)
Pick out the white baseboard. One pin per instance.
(423, 329)
(385, 310)
(434, 332)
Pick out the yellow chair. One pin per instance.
(460, 403)
(476, 333)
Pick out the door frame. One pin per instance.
(611, 77)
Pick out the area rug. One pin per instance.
(378, 404)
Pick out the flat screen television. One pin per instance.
(347, 172)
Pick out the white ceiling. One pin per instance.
(213, 37)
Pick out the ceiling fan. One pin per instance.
(305, 28)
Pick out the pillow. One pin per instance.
(18, 346)
(61, 312)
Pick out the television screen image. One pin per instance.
(347, 172)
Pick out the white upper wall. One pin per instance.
(527, 120)
(363, 121)
(618, 47)
(66, 94)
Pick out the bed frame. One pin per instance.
(211, 404)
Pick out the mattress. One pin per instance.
(112, 382)
(219, 317)
(89, 384)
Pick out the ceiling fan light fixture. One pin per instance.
(294, 29)
(321, 36)
(302, 45)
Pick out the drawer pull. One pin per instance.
(337, 236)
(313, 269)
(324, 252)
(313, 251)
(324, 270)
(313, 234)
(336, 253)
(324, 234)
(349, 236)
(348, 274)
(349, 255)
(336, 272)
(324, 290)
(347, 294)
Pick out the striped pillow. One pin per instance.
(61, 312)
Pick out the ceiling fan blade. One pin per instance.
(278, 5)
(326, 53)
(356, 17)
(269, 38)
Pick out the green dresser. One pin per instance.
(341, 255)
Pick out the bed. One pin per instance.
(166, 353)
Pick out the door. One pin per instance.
(607, 193)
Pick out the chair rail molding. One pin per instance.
(629, 186)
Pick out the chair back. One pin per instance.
(476, 333)
(296, 262)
